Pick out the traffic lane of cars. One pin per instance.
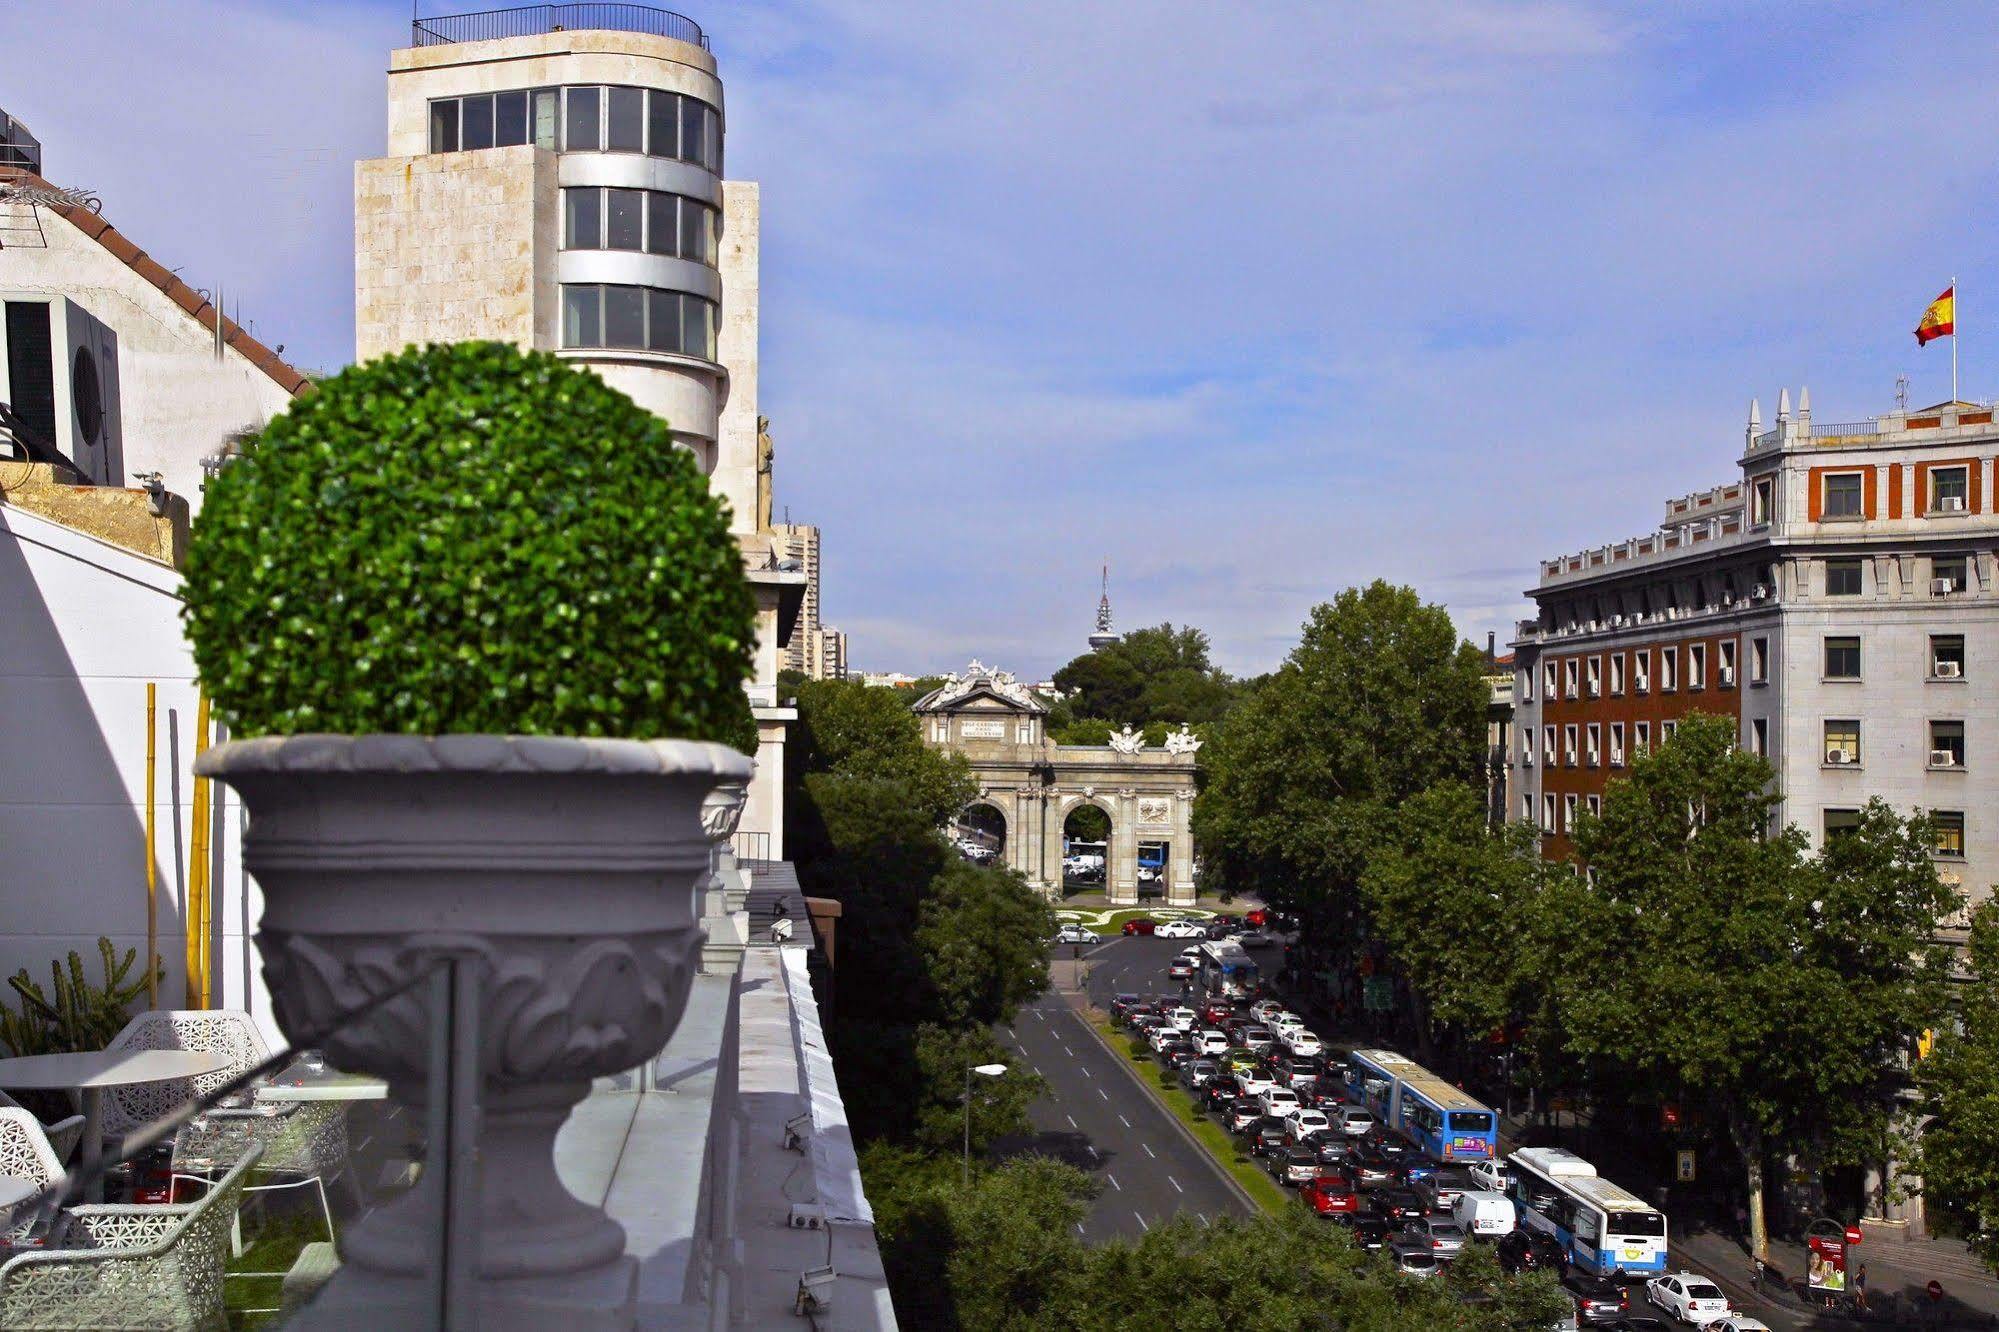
(1096, 1118)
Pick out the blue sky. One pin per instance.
(1258, 301)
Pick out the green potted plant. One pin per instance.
(480, 633)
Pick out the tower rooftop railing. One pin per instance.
(536, 20)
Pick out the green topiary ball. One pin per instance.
(470, 538)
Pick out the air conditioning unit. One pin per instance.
(63, 378)
(1727, 674)
(1951, 504)
(1760, 592)
(1569, 757)
(1943, 758)
(1617, 621)
(806, 1216)
(1942, 587)
(1837, 756)
(1949, 670)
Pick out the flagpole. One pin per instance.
(1953, 337)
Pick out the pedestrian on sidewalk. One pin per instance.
(1860, 1289)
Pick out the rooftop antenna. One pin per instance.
(1902, 393)
(1104, 637)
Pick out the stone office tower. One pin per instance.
(560, 187)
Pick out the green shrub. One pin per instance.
(469, 538)
(74, 1015)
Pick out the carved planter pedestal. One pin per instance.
(563, 874)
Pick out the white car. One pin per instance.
(1491, 1176)
(1355, 1121)
(1308, 1123)
(1253, 1082)
(1161, 1034)
(1211, 1042)
(1280, 1101)
(1301, 1042)
(1180, 929)
(1690, 1298)
(1263, 1009)
(1740, 1323)
(1279, 1021)
(1076, 934)
(1183, 1019)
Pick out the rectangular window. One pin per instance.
(711, 139)
(547, 102)
(663, 321)
(1840, 822)
(624, 219)
(1842, 495)
(624, 316)
(1946, 744)
(1726, 670)
(583, 220)
(1948, 574)
(1669, 670)
(1593, 746)
(1569, 812)
(1842, 659)
(1548, 744)
(1527, 808)
(1549, 823)
(663, 124)
(1569, 674)
(1946, 656)
(1759, 737)
(691, 131)
(662, 223)
(625, 125)
(697, 328)
(697, 231)
(1524, 682)
(1569, 745)
(475, 129)
(1842, 741)
(1948, 824)
(1527, 748)
(582, 317)
(1759, 661)
(444, 126)
(1593, 675)
(1641, 672)
(1548, 680)
(1617, 744)
(510, 119)
(583, 131)
(1595, 805)
(1759, 501)
(1950, 489)
(1667, 729)
(1641, 737)
(1842, 578)
(1697, 666)
(1617, 674)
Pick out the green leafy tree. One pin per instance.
(1157, 675)
(1956, 1150)
(999, 1105)
(1380, 700)
(852, 731)
(1792, 983)
(984, 938)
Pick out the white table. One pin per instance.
(301, 1083)
(91, 1073)
(14, 1189)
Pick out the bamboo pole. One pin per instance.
(198, 893)
(152, 861)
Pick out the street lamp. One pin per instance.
(984, 1071)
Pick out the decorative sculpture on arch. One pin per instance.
(1182, 741)
(1127, 741)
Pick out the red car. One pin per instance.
(1140, 925)
(1258, 918)
(1331, 1195)
(1217, 1014)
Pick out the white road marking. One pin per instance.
(1072, 1121)
(1113, 1179)
(1203, 1216)
(1175, 1183)
(1101, 1092)
(1079, 1227)
(1086, 1073)
(1093, 1150)
(1011, 1032)
(1067, 1051)
(1148, 1150)
(1122, 1120)
(1141, 1222)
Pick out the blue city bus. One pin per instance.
(1227, 971)
(1439, 1118)
(1604, 1229)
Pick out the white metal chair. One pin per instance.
(25, 1153)
(224, 1030)
(63, 1135)
(123, 1266)
(307, 1140)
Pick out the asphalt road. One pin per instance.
(1096, 1117)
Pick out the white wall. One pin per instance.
(83, 627)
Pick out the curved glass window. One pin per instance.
(637, 319)
(596, 217)
(582, 119)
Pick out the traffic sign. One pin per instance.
(1684, 1171)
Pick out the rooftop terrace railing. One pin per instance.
(536, 20)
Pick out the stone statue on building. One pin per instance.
(1182, 741)
(1127, 741)
(766, 452)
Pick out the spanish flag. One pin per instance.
(1940, 320)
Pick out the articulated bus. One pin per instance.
(1604, 1229)
(1442, 1120)
(1227, 971)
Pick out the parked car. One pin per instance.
(1122, 1004)
(1306, 1125)
(1333, 1149)
(1413, 1257)
(1367, 1231)
(1330, 1196)
(1395, 1205)
(1183, 1018)
(1370, 1169)
(1182, 929)
(1530, 1251)
(1443, 1235)
(1484, 1214)
(1354, 1121)
(1392, 1147)
(1301, 1042)
(1262, 1009)
(1255, 916)
(1257, 1039)
(1253, 1082)
(1597, 1300)
(1211, 1042)
(1140, 925)
(1295, 1165)
(1218, 1095)
(1217, 1015)
(1740, 1323)
(1242, 1114)
(1267, 1137)
(1296, 1072)
(1075, 934)
(1253, 939)
(1180, 969)
(1491, 1175)
(1689, 1298)
(1442, 1185)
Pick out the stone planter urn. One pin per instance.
(566, 873)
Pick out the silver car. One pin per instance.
(1445, 1238)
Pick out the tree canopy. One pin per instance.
(1957, 1151)
(1160, 675)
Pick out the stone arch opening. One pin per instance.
(980, 833)
(1086, 846)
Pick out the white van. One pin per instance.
(1486, 1215)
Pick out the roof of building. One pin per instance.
(198, 307)
(775, 895)
(980, 681)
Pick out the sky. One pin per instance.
(1254, 301)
